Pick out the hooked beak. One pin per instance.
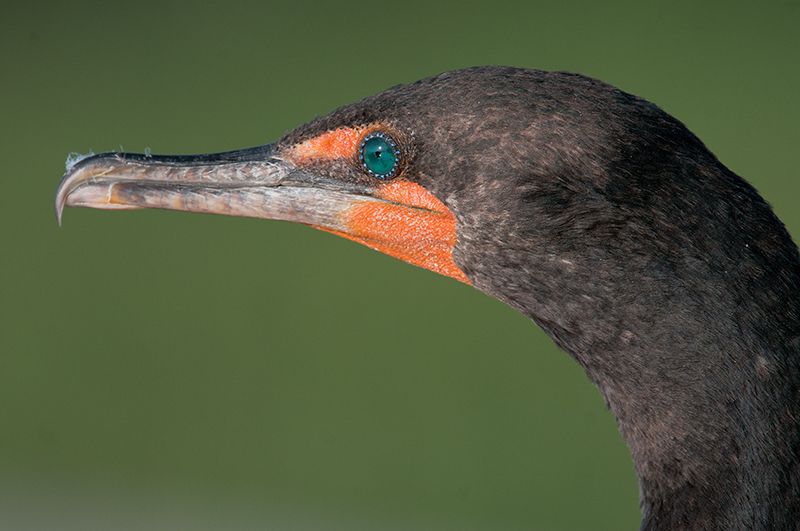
(398, 218)
(252, 182)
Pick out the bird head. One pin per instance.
(595, 213)
(535, 187)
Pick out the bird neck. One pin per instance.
(710, 417)
(708, 406)
(707, 443)
(706, 394)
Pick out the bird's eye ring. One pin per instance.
(380, 155)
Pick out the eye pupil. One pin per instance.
(379, 155)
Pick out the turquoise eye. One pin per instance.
(379, 155)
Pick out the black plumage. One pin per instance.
(665, 275)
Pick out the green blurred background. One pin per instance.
(163, 370)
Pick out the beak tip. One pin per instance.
(61, 198)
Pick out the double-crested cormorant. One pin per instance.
(593, 212)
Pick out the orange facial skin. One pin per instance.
(413, 226)
(416, 228)
(341, 143)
